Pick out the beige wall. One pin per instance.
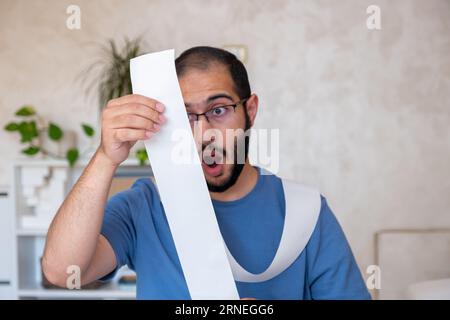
(364, 115)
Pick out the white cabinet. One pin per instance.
(7, 244)
(36, 184)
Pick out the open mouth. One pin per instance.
(214, 169)
(212, 165)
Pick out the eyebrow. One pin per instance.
(212, 98)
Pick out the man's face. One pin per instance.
(205, 90)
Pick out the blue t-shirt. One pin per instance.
(136, 227)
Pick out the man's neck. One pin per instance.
(244, 184)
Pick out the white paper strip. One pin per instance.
(303, 206)
(182, 186)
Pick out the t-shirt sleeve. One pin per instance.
(118, 228)
(332, 269)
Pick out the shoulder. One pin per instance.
(327, 221)
(299, 190)
(142, 186)
(328, 235)
(309, 198)
(315, 215)
(142, 193)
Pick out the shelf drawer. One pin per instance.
(6, 236)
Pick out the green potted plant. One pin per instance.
(110, 75)
(33, 129)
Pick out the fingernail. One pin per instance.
(156, 127)
(160, 107)
(162, 119)
(148, 134)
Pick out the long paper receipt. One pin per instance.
(182, 185)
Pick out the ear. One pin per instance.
(252, 108)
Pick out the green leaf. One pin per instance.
(88, 130)
(26, 111)
(12, 126)
(28, 131)
(72, 156)
(31, 151)
(54, 132)
(142, 156)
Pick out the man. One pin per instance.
(131, 228)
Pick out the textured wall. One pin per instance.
(364, 115)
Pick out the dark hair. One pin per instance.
(202, 57)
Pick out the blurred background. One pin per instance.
(363, 113)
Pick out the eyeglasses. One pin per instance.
(217, 115)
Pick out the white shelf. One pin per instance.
(28, 242)
(28, 232)
(108, 291)
(130, 162)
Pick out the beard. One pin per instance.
(236, 166)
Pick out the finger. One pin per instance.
(124, 135)
(136, 98)
(134, 122)
(137, 109)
